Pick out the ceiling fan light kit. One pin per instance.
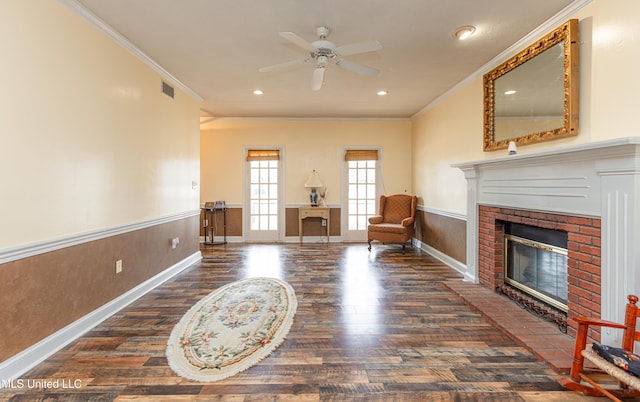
(323, 52)
(317, 79)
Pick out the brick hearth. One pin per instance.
(542, 338)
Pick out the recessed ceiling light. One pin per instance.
(463, 33)
(257, 92)
(510, 92)
(382, 92)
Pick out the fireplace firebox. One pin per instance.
(536, 263)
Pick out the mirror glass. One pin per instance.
(533, 96)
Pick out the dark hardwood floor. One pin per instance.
(374, 326)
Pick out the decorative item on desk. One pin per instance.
(512, 148)
(323, 196)
(314, 183)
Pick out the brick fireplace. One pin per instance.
(591, 192)
(583, 246)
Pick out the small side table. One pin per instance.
(211, 223)
(314, 212)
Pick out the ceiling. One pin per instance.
(215, 48)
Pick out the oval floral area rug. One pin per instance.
(232, 329)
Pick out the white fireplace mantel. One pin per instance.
(599, 179)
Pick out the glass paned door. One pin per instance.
(361, 197)
(263, 200)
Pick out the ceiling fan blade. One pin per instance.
(356, 48)
(317, 79)
(282, 66)
(357, 68)
(296, 40)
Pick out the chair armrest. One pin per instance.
(407, 221)
(593, 321)
(375, 219)
(577, 366)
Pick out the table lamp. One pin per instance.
(314, 183)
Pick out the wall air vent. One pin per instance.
(167, 89)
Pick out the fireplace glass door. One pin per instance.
(538, 269)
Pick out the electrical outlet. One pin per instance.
(118, 266)
(324, 222)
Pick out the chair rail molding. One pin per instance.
(442, 212)
(29, 250)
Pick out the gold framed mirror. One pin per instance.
(533, 96)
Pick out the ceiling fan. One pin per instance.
(322, 52)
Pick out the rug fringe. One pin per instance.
(174, 350)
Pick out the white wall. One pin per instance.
(88, 140)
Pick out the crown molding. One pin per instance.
(532, 36)
(108, 30)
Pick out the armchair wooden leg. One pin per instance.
(369, 241)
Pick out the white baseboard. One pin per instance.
(230, 239)
(287, 239)
(455, 264)
(24, 361)
(312, 239)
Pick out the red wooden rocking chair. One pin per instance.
(584, 380)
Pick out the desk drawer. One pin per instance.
(314, 213)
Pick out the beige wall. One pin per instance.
(88, 140)
(88, 145)
(447, 133)
(451, 131)
(307, 145)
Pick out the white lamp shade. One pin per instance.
(314, 181)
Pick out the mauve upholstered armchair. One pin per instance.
(395, 221)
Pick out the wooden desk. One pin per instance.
(314, 212)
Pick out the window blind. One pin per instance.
(361, 155)
(263, 155)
